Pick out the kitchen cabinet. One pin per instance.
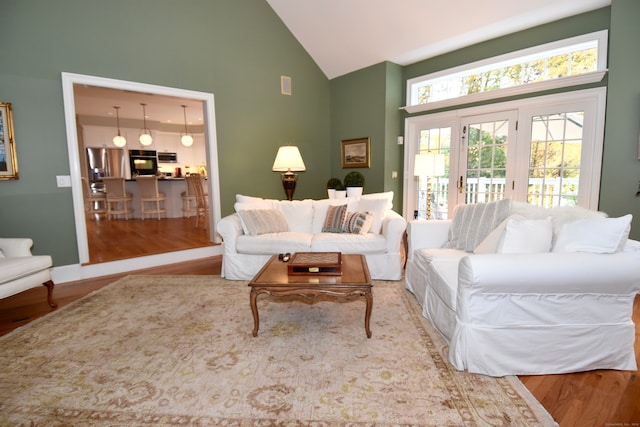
(166, 142)
(100, 136)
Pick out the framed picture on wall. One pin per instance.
(8, 163)
(355, 153)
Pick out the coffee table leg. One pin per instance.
(367, 314)
(254, 309)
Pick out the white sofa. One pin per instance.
(246, 251)
(523, 290)
(20, 270)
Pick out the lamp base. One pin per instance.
(289, 184)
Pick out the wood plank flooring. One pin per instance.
(597, 398)
(113, 240)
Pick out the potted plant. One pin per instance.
(331, 187)
(354, 182)
(340, 191)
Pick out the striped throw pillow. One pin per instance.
(334, 220)
(263, 221)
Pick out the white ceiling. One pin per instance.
(99, 102)
(347, 35)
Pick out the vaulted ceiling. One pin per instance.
(347, 35)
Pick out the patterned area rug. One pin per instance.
(178, 351)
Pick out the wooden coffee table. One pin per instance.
(273, 280)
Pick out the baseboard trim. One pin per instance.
(75, 272)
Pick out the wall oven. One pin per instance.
(143, 162)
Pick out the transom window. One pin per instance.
(567, 62)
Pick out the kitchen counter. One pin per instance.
(171, 187)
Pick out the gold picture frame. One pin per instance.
(8, 161)
(355, 153)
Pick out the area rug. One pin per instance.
(178, 351)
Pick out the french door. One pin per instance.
(486, 168)
(545, 151)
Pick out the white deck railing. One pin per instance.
(541, 192)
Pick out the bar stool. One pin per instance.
(118, 199)
(95, 204)
(152, 202)
(189, 206)
(202, 204)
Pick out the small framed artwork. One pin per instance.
(8, 163)
(355, 153)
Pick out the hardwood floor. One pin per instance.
(112, 240)
(597, 398)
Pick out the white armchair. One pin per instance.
(20, 270)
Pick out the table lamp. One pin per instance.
(289, 160)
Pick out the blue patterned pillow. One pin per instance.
(358, 222)
(334, 220)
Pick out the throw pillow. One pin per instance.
(455, 230)
(263, 221)
(334, 220)
(598, 235)
(388, 196)
(377, 207)
(358, 222)
(526, 236)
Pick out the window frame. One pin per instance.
(601, 37)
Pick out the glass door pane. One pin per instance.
(433, 191)
(555, 159)
(488, 159)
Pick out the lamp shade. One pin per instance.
(429, 164)
(288, 159)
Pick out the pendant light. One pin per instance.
(185, 138)
(118, 140)
(145, 133)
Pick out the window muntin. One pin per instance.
(555, 159)
(561, 60)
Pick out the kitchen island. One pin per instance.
(171, 187)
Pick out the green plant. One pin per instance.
(340, 187)
(333, 183)
(354, 179)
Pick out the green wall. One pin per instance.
(366, 103)
(236, 50)
(620, 164)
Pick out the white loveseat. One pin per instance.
(518, 290)
(246, 251)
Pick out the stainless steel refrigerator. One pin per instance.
(104, 162)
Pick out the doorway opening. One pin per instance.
(142, 93)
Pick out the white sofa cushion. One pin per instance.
(387, 195)
(377, 207)
(349, 243)
(442, 265)
(274, 243)
(298, 213)
(597, 235)
(526, 236)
